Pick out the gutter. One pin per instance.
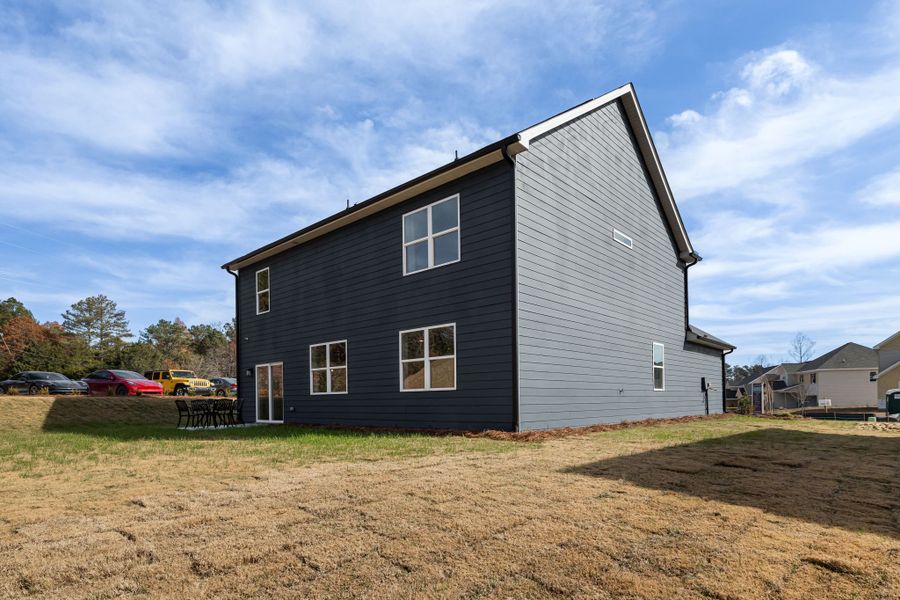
(514, 301)
(237, 331)
(724, 379)
(694, 259)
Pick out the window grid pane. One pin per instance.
(428, 358)
(435, 244)
(328, 368)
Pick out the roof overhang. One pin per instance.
(887, 341)
(494, 153)
(627, 96)
(888, 370)
(701, 338)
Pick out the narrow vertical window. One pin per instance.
(262, 291)
(428, 358)
(328, 368)
(659, 367)
(431, 236)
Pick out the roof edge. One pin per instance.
(510, 145)
(695, 335)
(474, 161)
(888, 340)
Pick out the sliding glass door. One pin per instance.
(270, 393)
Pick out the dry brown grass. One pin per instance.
(728, 508)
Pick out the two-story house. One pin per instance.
(888, 376)
(541, 281)
(845, 376)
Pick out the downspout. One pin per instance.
(694, 259)
(724, 379)
(237, 332)
(515, 298)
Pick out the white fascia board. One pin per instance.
(890, 368)
(635, 115)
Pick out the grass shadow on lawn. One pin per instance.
(847, 481)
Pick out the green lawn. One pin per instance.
(39, 452)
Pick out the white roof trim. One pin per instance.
(625, 94)
(628, 97)
(890, 368)
(887, 341)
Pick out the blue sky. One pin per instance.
(142, 145)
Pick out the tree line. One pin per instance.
(94, 334)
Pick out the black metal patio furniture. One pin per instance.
(184, 412)
(238, 411)
(222, 413)
(202, 410)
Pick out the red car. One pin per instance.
(112, 382)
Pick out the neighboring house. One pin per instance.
(845, 376)
(538, 282)
(736, 389)
(888, 377)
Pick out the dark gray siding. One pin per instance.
(349, 285)
(588, 307)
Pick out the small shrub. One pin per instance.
(744, 405)
(44, 391)
(12, 392)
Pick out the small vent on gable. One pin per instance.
(623, 239)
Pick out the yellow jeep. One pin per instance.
(181, 383)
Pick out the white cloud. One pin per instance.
(108, 106)
(884, 190)
(786, 113)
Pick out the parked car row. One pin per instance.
(118, 382)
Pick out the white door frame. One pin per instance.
(268, 367)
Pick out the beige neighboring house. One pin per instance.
(888, 377)
(846, 376)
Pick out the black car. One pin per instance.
(32, 382)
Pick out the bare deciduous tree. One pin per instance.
(801, 348)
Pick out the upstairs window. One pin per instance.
(262, 291)
(812, 378)
(659, 367)
(623, 239)
(431, 236)
(328, 368)
(428, 358)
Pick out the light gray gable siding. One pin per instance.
(589, 308)
(349, 284)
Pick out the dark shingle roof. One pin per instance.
(848, 356)
(698, 336)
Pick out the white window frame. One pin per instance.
(268, 366)
(268, 290)
(427, 358)
(327, 368)
(655, 367)
(623, 239)
(431, 235)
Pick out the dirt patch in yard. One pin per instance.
(727, 508)
(539, 435)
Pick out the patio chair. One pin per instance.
(238, 411)
(221, 412)
(201, 410)
(184, 412)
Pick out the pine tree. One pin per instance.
(98, 321)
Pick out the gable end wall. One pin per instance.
(588, 308)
